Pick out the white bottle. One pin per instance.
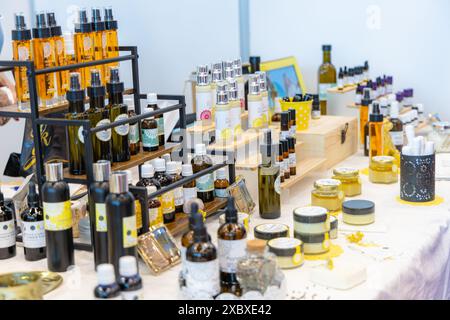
(265, 98)
(130, 282)
(217, 77)
(188, 193)
(204, 99)
(255, 104)
(237, 66)
(222, 114)
(235, 109)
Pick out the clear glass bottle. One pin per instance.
(204, 99)
(327, 78)
(84, 45)
(222, 114)
(21, 40)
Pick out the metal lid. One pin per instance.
(254, 88)
(229, 74)
(310, 215)
(328, 184)
(237, 66)
(102, 170)
(383, 160)
(222, 97)
(285, 247)
(233, 93)
(202, 79)
(358, 207)
(346, 172)
(118, 182)
(312, 238)
(269, 231)
(217, 76)
(54, 171)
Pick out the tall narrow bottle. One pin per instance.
(100, 40)
(237, 66)
(255, 104)
(152, 103)
(376, 132)
(133, 136)
(269, 180)
(327, 78)
(168, 198)
(205, 184)
(7, 231)
(204, 99)
(99, 116)
(222, 114)
(44, 57)
(33, 229)
(98, 191)
(21, 40)
(364, 113)
(121, 220)
(235, 108)
(266, 113)
(118, 111)
(75, 96)
(187, 239)
(397, 127)
(58, 219)
(216, 78)
(172, 171)
(112, 39)
(84, 45)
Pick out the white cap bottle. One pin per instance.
(200, 150)
(160, 165)
(147, 171)
(105, 274)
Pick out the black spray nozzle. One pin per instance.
(268, 137)
(20, 21)
(114, 85)
(41, 21)
(82, 16)
(109, 14)
(114, 75)
(96, 80)
(51, 19)
(231, 213)
(75, 83)
(33, 198)
(376, 115)
(75, 92)
(366, 97)
(366, 65)
(96, 15)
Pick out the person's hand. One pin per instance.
(7, 96)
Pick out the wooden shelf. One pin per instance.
(246, 138)
(199, 128)
(181, 225)
(344, 90)
(304, 167)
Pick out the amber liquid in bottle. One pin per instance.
(21, 37)
(112, 39)
(84, 46)
(280, 160)
(376, 133)
(364, 114)
(205, 184)
(100, 41)
(327, 78)
(133, 135)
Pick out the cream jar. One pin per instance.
(351, 182)
(383, 170)
(269, 231)
(315, 243)
(243, 218)
(311, 220)
(328, 194)
(289, 252)
(358, 212)
(333, 228)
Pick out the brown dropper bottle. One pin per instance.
(280, 160)
(292, 157)
(286, 165)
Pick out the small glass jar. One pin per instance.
(441, 136)
(311, 220)
(328, 194)
(351, 182)
(314, 244)
(270, 231)
(289, 252)
(383, 170)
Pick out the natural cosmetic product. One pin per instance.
(366, 140)
(118, 111)
(255, 104)
(221, 184)
(289, 252)
(235, 108)
(396, 132)
(121, 220)
(189, 189)
(364, 113)
(285, 128)
(99, 35)
(316, 113)
(58, 219)
(99, 116)
(205, 184)
(216, 78)
(33, 229)
(168, 198)
(130, 282)
(231, 247)
(350, 180)
(376, 133)
(62, 77)
(21, 42)
(203, 99)
(328, 194)
(44, 57)
(137, 204)
(98, 191)
(112, 41)
(293, 123)
(266, 113)
(292, 157)
(269, 231)
(150, 140)
(202, 264)
(327, 78)
(311, 220)
(280, 161)
(358, 212)
(333, 228)
(148, 177)
(269, 189)
(172, 171)
(243, 218)
(286, 160)
(383, 170)
(359, 95)
(152, 103)
(237, 66)
(315, 243)
(133, 135)
(75, 96)
(7, 231)
(107, 287)
(187, 239)
(154, 208)
(84, 45)
(222, 114)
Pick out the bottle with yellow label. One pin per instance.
(112, 39)
(84, 45)
(57, 219)
(62, 77)
(266, 113)
(21, 40)
(167, 199)
(44, 57)
(222, 114)
(255, 104)
(100, 40)
(235, 108)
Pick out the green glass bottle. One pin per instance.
(327, 78)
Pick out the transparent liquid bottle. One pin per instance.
(21, 41)
(84, 45)
(112, 39)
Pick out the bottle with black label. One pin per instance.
(118, 111)
(152, 101)
(205, 184)
(168, 198)
(33, 229)
(58, 219)
(7, 231)
(130, 282)
(121, 218)
(232, 243)
(107, 287)
(98, 192)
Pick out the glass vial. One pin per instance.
(205, 184)
(152, 103)
(376, 133)
(327, 78)
(292, 157)
(21, 42)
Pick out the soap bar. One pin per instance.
(344, 276)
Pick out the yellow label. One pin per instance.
(58, 216)
(156, 216)
(129, 232)
(297, 259)
(100, 217)
(168, 202)
(138, 207)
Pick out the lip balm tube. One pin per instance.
(407, 151)
(410, 134)
(429, 148)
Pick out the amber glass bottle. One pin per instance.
(150, 140)
(292, 157)
(221, 184)
(280, 160)
(99, 35)
(364, 114)
(286, 162)
(205, 184)
(397, 127)
(327, 78)
(112, 40)
(21, 38)
(376, 133)
(167, 199)
(84, 45)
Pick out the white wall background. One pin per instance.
(411, 41)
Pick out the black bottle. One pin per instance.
(118, 111)
(98, 191)
(7, 231)
(130, 282)
(121, 217)
(58, 219)
(152, 101)
(33, 229)
(168, 198)
(107, 287)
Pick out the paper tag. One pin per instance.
(7, 234)
(33, 234)
(57, 216)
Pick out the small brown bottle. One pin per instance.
(285, 128)
(292, 157)
(292, 122)
(286, 165)
(133, 135)
(280, 160)
(376, 132)
(150, 140)
(205, 184)
(154, 208)
(221, 184)
(172, 171)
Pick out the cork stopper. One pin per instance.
(256, 245)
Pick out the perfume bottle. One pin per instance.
(98, 191)
(7, 231)
(364, 113)
(100, 40)
(269, 180)
(203, 98)
(33, 229)
(205, 184)
(222, 114)
(235, 108)
(107, 287)
(376, 132)
(152, 103)
(44, 57)
(255, 104)
(112, 39)
(168, 198)
(84, 45)
(21, 41)
(266, 113)
(327, 78)
(237, 66)
(118, 111)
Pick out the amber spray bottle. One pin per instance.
(21, 40)
(100, 44)
(112, 40)
(364, 113)
(84, 45)
(376, 132)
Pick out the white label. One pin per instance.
(285, 243)
(179, 197)
(132, 295)
(203, 277)
(316, 114)
(80, 135)
(106, 134)
(292, 160)
(329, 182)
(285, 165)
(230, 251)
(189, 193)
(255, 114)
(133, 137)
(223, 131)
(241, 92)
(323, 90)
(7, 234)
(204, 105)
(124, 129)
(47, 49)
(33, 234)
(100, 217)
(397, 138)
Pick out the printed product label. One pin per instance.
(24, 53)
(221, 193)
(80, 135)
(33, 234)
(138, 208)
(316, 114)
(179, 197)
(204, 105)
(168, 202)
(285, 134)
(235, 121)
(241, 93)
(265, 110)
(223, 131)
(106, 134)
(87, 42)
(129, 232)
(230, 251)
(292, 160)
(7, 234)
(280, 164)
(285, 165)
(47, 49)
(397, 138)
(255, 114)
(189, 193)
(205, 183)
(203, 277)
(122, 130)
(160, 122)
(59, 47)
(132, 295)
(100, 217)
(150, 138)
(133, 135)
(57, 216)
(323, 90)
(155, 215)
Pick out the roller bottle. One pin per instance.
(84, 45)
(21, 41)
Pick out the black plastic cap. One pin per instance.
(114, 84)
(231, 213)
(33, 197)
(55, 30)
(285, 117)
(326, 47)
